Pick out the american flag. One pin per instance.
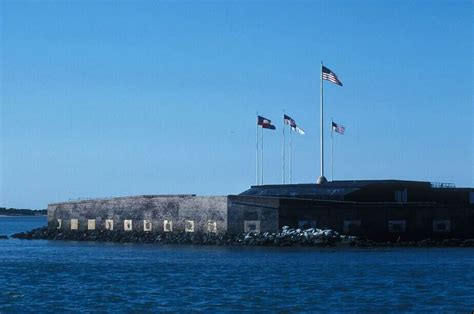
(338, 128)
(265, 123)
(330, 76)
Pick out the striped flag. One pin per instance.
(291, 122)
(338, 128)
(330, 76)
(265, 123)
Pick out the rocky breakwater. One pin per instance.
(286, 237)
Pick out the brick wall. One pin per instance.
(180, 210)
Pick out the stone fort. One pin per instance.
(377, 209)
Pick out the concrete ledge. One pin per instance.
(86, 200)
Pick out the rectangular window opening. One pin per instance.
(168, 226)
(109, 224)
(189, 226)
(127, 225)
(252, 226)
(74, 224)
(396, 226)
(212, 226)
(91, 224)
(441, 225)
(146, 225)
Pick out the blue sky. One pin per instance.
(105, 98)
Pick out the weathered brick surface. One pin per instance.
(177, 208)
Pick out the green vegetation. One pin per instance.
(21, 212)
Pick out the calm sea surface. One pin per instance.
(83, 276)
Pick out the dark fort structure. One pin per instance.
(381, 210)
(377, 209)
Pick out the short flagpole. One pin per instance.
(283, 151)
(322, 123)
(256, 154)
(290, 170)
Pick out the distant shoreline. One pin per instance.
(17, 212)
(3, 216)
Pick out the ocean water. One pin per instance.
(51, 276)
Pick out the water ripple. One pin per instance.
(49, 276)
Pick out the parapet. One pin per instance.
(86, 200)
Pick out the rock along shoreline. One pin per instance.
(285, 238)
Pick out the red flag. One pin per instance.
(265, 123)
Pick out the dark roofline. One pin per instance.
(325, 201)
(349, 183)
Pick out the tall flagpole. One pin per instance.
(261, 159)
(321, 178)
(283, 151)
(332, 153)
(256, 153)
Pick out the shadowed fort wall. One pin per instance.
(377, 221)
(383, 221)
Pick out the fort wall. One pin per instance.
(380, 221)
(389, 220)
(157, 213)
(384, 221)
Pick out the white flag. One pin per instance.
(298, 130)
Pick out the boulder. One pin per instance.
(468, 243)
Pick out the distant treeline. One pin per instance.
(22, 212)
